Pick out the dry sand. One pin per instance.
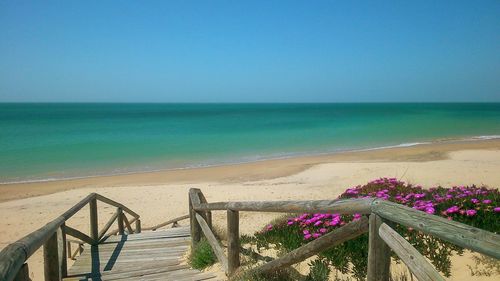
(160, 196)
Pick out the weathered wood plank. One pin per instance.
(108, 225)
(63, 254)
(379, 255)
(207, 215)
(219, 252)
(344, 206)
(417, 263)
(121, 228)
(78, 206)
(85, 268)
(233, 241)
(194, 200)
(68, 248)
(78, 234)
(144, 235)
(460, 234)
(141, 272)
(51, 259)
(138, 228)
(139, 267)
(114, 232)
(116, 204)
(167, 222)
(94, 223)
(23, 274)
(336, 237)
(127, 224)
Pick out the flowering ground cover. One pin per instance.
(472, 205)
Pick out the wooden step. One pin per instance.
(152, 255)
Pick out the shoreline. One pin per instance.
(250, 171)
(283, 156)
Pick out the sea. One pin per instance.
(51, 141)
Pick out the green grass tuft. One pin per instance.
(319, 271)
(202, 256)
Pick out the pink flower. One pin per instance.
(335, 221)
(316, 235)
(470, 213)
(496, 209)
(487, 201)
(356, 217)
(307, 236)
(452, 209)
(419, 195)
(323, 230)
(474, 200)
(429, 210)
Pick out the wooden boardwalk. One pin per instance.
(151, 255)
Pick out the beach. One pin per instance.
(159, 196)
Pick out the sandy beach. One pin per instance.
(159, 196)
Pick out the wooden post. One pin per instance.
(121, 229)
(233, 241)
(379, 254)
(68, 249)
(195, 226)
(94, 232)
(207, 215)
(51, 259)
(63, 254)
(138, 226)
(23, 274)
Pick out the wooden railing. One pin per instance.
(56, 247)
(382, 238)
(174, 222)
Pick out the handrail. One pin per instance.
(345, 206)
(460, 234)
(13, 257)
(172, 221)
(463, 235)
(116, 204)
(422, 269)
(336, 237)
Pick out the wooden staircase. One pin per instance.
(150, 255)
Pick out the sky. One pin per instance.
(249, 51)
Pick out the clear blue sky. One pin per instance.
(249, 51)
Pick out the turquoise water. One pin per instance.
(50, 141)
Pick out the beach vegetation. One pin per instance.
(472, 205)
(202, 255)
